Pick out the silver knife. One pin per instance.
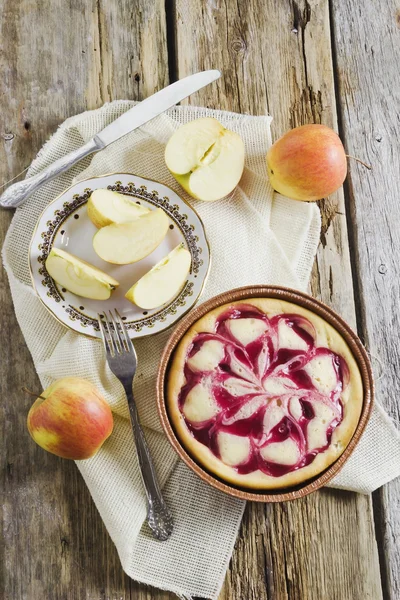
(16, 194)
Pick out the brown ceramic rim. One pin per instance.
(306, 301)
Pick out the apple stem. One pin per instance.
(360, 161)
(24, 389)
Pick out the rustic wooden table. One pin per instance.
(335, 62)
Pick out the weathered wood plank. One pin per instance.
(109, 51)
(276, 57)
(58, 59)
(368, 79)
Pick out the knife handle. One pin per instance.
(16, 194)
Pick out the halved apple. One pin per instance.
(105, 207)
(205, 158)
(125, 243)
(78, 276)
(163, 281)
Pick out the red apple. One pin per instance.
(70, 419)
(307, 163)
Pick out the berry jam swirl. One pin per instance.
(259, 392)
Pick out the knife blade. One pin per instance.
(155, 105)
(16, 194)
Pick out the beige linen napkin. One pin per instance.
(255, 237)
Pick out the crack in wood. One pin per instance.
(10, 468)
(286, 579)
(99, 27)
(300, 20)
(105, 71)
(64, 545)
(308, 107)
(328, 213)
(170, 21)
(379, 523)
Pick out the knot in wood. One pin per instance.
(382, 269)
(239, 46)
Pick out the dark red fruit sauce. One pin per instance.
(259, 360)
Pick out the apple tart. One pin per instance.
(263, 393)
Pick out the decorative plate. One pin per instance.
(65, 224)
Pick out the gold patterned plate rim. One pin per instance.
(57, 225)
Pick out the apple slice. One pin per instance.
(205, 158)
(125, 243)
(163, 281)
(106, 207)
(78, 276)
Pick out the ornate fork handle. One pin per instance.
(158, 516)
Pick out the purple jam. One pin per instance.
(248, 413)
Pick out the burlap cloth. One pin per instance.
(256, 237)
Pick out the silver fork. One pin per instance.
(122, 360)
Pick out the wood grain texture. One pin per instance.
(56, 60)
(368, 81)
(276, 57)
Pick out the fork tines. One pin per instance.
(114, 334)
